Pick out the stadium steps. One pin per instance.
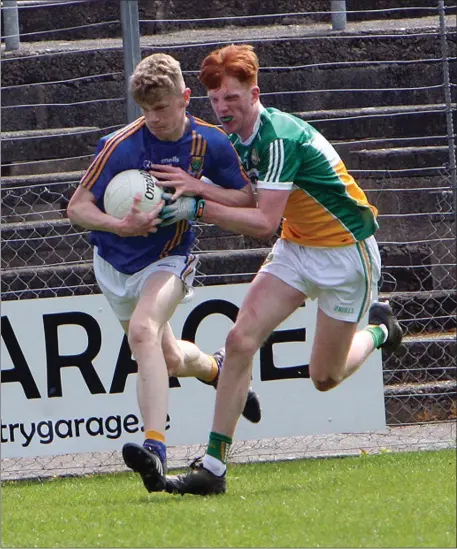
(66, 103)
(56, 241)
(21, 149)
(424, 312)
(37, 197)
(73, 60)
(25, 198)
(287, 47)
(377, 122)
(409, 193)
(418, 312)
(420, 402)
(406, 365)
(401, 157)
(407, 267)
(101, 18)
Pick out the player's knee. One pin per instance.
(325, 384)
(240, 342)
(142, 331)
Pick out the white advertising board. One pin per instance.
(69, 383)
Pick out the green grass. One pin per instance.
(386, 500)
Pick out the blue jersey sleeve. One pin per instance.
(108, 162)
(226, 168)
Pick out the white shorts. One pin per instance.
(341, 279)
(123, 291)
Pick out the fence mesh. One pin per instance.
(395, 138)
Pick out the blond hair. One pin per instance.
(157, 75)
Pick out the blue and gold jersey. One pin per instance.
(204, 150)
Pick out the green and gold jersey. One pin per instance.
(326, 207)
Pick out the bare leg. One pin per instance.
(338, 351)
(184, 359)
(160, 296)
(268, 302)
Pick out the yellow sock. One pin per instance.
(214, 368)
(154, 435)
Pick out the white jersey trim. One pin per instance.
(276, 160)
(275, 185)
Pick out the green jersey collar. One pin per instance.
(250, 139)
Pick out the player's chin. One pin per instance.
(231, 125)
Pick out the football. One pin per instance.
(119, 193)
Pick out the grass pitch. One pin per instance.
(385, 500)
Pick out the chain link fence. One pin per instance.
(397, 141)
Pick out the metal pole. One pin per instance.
(11, 24)
(132, 51)
(339, 14)
(448, 100)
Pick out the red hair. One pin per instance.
(238, 61)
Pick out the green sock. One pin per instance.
(219, 446)
(378, 335)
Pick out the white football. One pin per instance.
(119, 193)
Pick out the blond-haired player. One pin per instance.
(144, 268)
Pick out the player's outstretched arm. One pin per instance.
(261, 222)
(180, 182)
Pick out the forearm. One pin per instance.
(89, 216)
(242, 198)
(247, 221)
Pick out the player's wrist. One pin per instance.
(200, 204)
(114, 225)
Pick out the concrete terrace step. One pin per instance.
(278, 46)
(221, 267)
(37, 197)
(405, 121)
(421, 213)
(422, 312)
(55, 241)
(416, 227)
(101, 18)
(422, 359)
(26, 197)
(401, 157)
(420, 402)
(70, 103)
(47, 166)
(397, 124)
(34, 216)
(406, 268)
(375, 79)
(23, 146)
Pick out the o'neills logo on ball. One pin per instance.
(150, 186)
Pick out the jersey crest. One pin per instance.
(196, 165)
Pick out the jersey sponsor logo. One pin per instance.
(147, 164)
(172, 160)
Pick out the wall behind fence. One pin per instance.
(378, 91)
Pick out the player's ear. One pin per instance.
(255, 93)
(186, 96)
